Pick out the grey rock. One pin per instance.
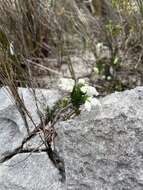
(10, 137)
(21, 170)
(12, 127)
(29, 172)
(35, 143)
(103, 150)
(11, 120)
(5, 99)
(45, 98)
(11, 114)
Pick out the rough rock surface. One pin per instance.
(24, 170)
(10, 136)
(34, 172)
(104, 150)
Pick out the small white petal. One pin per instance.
(89, 99)
(95, 102)
(81, 81)
(109, 78)
(103, 77)
(87, 106)
(96, 70)
(91, 91)
(84, 88)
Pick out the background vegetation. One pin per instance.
(34, 32)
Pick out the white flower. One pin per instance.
(96, 70)
(95, 102)
(91, 91)
(87, 106)
(103, 77)
(66, 84)
(109, 78)
(84, 88)
(91, 102)
(81, 81)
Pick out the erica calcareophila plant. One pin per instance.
(82, 95)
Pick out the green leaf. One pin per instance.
(77, 96)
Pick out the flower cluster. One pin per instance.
(81, 93)
(89, 92)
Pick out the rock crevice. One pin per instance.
(99, 150)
